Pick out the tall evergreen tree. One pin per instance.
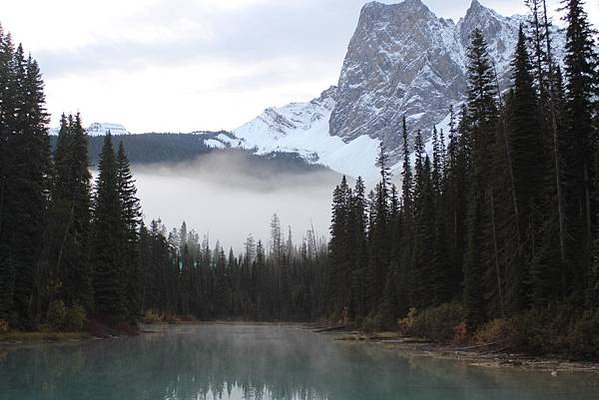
(482, 119)
(340, 251)
(359, 245)
(24, 183)
(580, 64)
(108, 236)
(423, 279)
(530, 164)
(131, 221)
(68, 231)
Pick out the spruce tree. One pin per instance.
(482, 119)
(130, 220)
(407, 217)
(580, 67)
(529, 165)
(339, 250)
(68, 232)
(26, 188)
(7, 268)
(359, 240)
(108, 236)
(380, 249)
(454, 201)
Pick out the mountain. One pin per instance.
(102, 128)
(401, 60)
(99, 129)
(303, 128)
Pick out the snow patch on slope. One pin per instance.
(303, 128)
(102, 128)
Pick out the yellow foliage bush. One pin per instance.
(406, 325)
(4, 327)
(492, 332)
(152, 317)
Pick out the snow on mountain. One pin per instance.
(303, 128)
(401, 60)
(102, 128)
(98, 129)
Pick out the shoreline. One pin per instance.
(17, 339)
(484, 356)
(472, 355)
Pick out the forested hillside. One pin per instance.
(173, 148)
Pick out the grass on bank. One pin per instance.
(41, 337)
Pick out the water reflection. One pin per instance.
(277, 362)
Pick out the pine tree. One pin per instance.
(482, 118)
(380, 249)
(130, 221)
(108, 237)
(68, 232)
(422, 280)
(7, 268)
(529, 165)
(339, 250)
(25, 193)
(580, 63)
(454, 201)
(407, 218)
(359, 248)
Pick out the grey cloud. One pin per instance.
(305, 30)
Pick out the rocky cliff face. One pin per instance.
(404, 60)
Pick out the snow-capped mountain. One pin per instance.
(303, 128)
(102, 128)
(98, 129)
(401, 60)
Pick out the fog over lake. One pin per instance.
(230, 195)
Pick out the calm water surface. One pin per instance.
(261, 362)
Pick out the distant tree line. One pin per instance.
(279, 281)
(172, 148)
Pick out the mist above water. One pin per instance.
(229, 195)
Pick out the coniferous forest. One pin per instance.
(493, 236)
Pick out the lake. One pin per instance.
(245, 361)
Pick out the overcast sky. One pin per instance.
(183, 65)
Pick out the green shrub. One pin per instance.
(584, 337)
(434, 323)
(373, 322)
(559, 330)
(74, 319)
(56, 315)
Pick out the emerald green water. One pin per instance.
(261, 362)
